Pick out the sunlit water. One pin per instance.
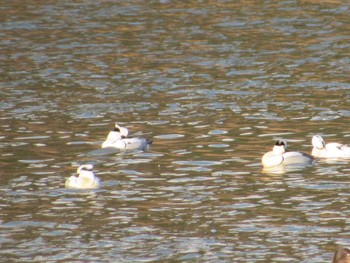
(213, 84)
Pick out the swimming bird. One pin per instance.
(118, 138)
(84, 178)
(115, 135)
(341, 255)
(329, 150)
(280, 156)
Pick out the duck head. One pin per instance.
(318, 142)
(124, 132)
(280, 147)
(85, 170)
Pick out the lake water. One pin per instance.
(213, 84)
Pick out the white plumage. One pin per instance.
(329, 150)
(280, 156)
(84, 179)
(118, 138)
(115, 135)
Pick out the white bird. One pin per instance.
(329, 150)
(118, 138)
(280, 156)
(115, 135)
(84, 178)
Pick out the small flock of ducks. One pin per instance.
(118, 139)
(279, 156)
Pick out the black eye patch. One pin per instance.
(280, 143)
(116, 129)
(85, 169)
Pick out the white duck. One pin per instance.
(280, 156)
(329, 150)
(118, 138)
(84, 179)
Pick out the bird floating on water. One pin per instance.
(118, 138)
(329, 150)
(280, 156)
(84, 178)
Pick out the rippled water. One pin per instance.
(213, 84)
